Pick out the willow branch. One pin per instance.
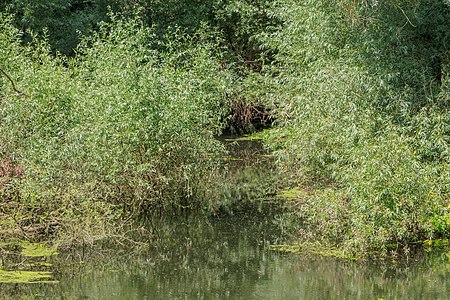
(366, 12)
(12, 82)
(406, 16)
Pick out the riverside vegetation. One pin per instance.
(110, 112)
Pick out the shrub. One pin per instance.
(120, 124)
(361, 112)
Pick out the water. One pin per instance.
(229, 257)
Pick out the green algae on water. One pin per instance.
(29, 249)
(306, 248)
(32, 256)
(26, 277)
(292, 194)
(37, 250)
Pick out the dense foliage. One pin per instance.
(121, 124)
(360, 91)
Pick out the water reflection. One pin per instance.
(231, 259)
(327, 278)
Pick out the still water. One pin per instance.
(231, 259)
(227, 258)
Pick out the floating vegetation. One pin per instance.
(20, 257)
(29, 249)
(306, 248)
(37, 250)
(26, 277)
(292, 194)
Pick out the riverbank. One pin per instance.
(121, 122)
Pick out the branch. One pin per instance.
(366, 11)
(406, 16)
(12, 82)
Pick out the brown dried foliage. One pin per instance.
(9, 169)
(248, 117)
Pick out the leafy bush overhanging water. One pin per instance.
(360, 91)
(119, 127)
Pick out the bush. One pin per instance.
(362, 112)
(120, 124)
